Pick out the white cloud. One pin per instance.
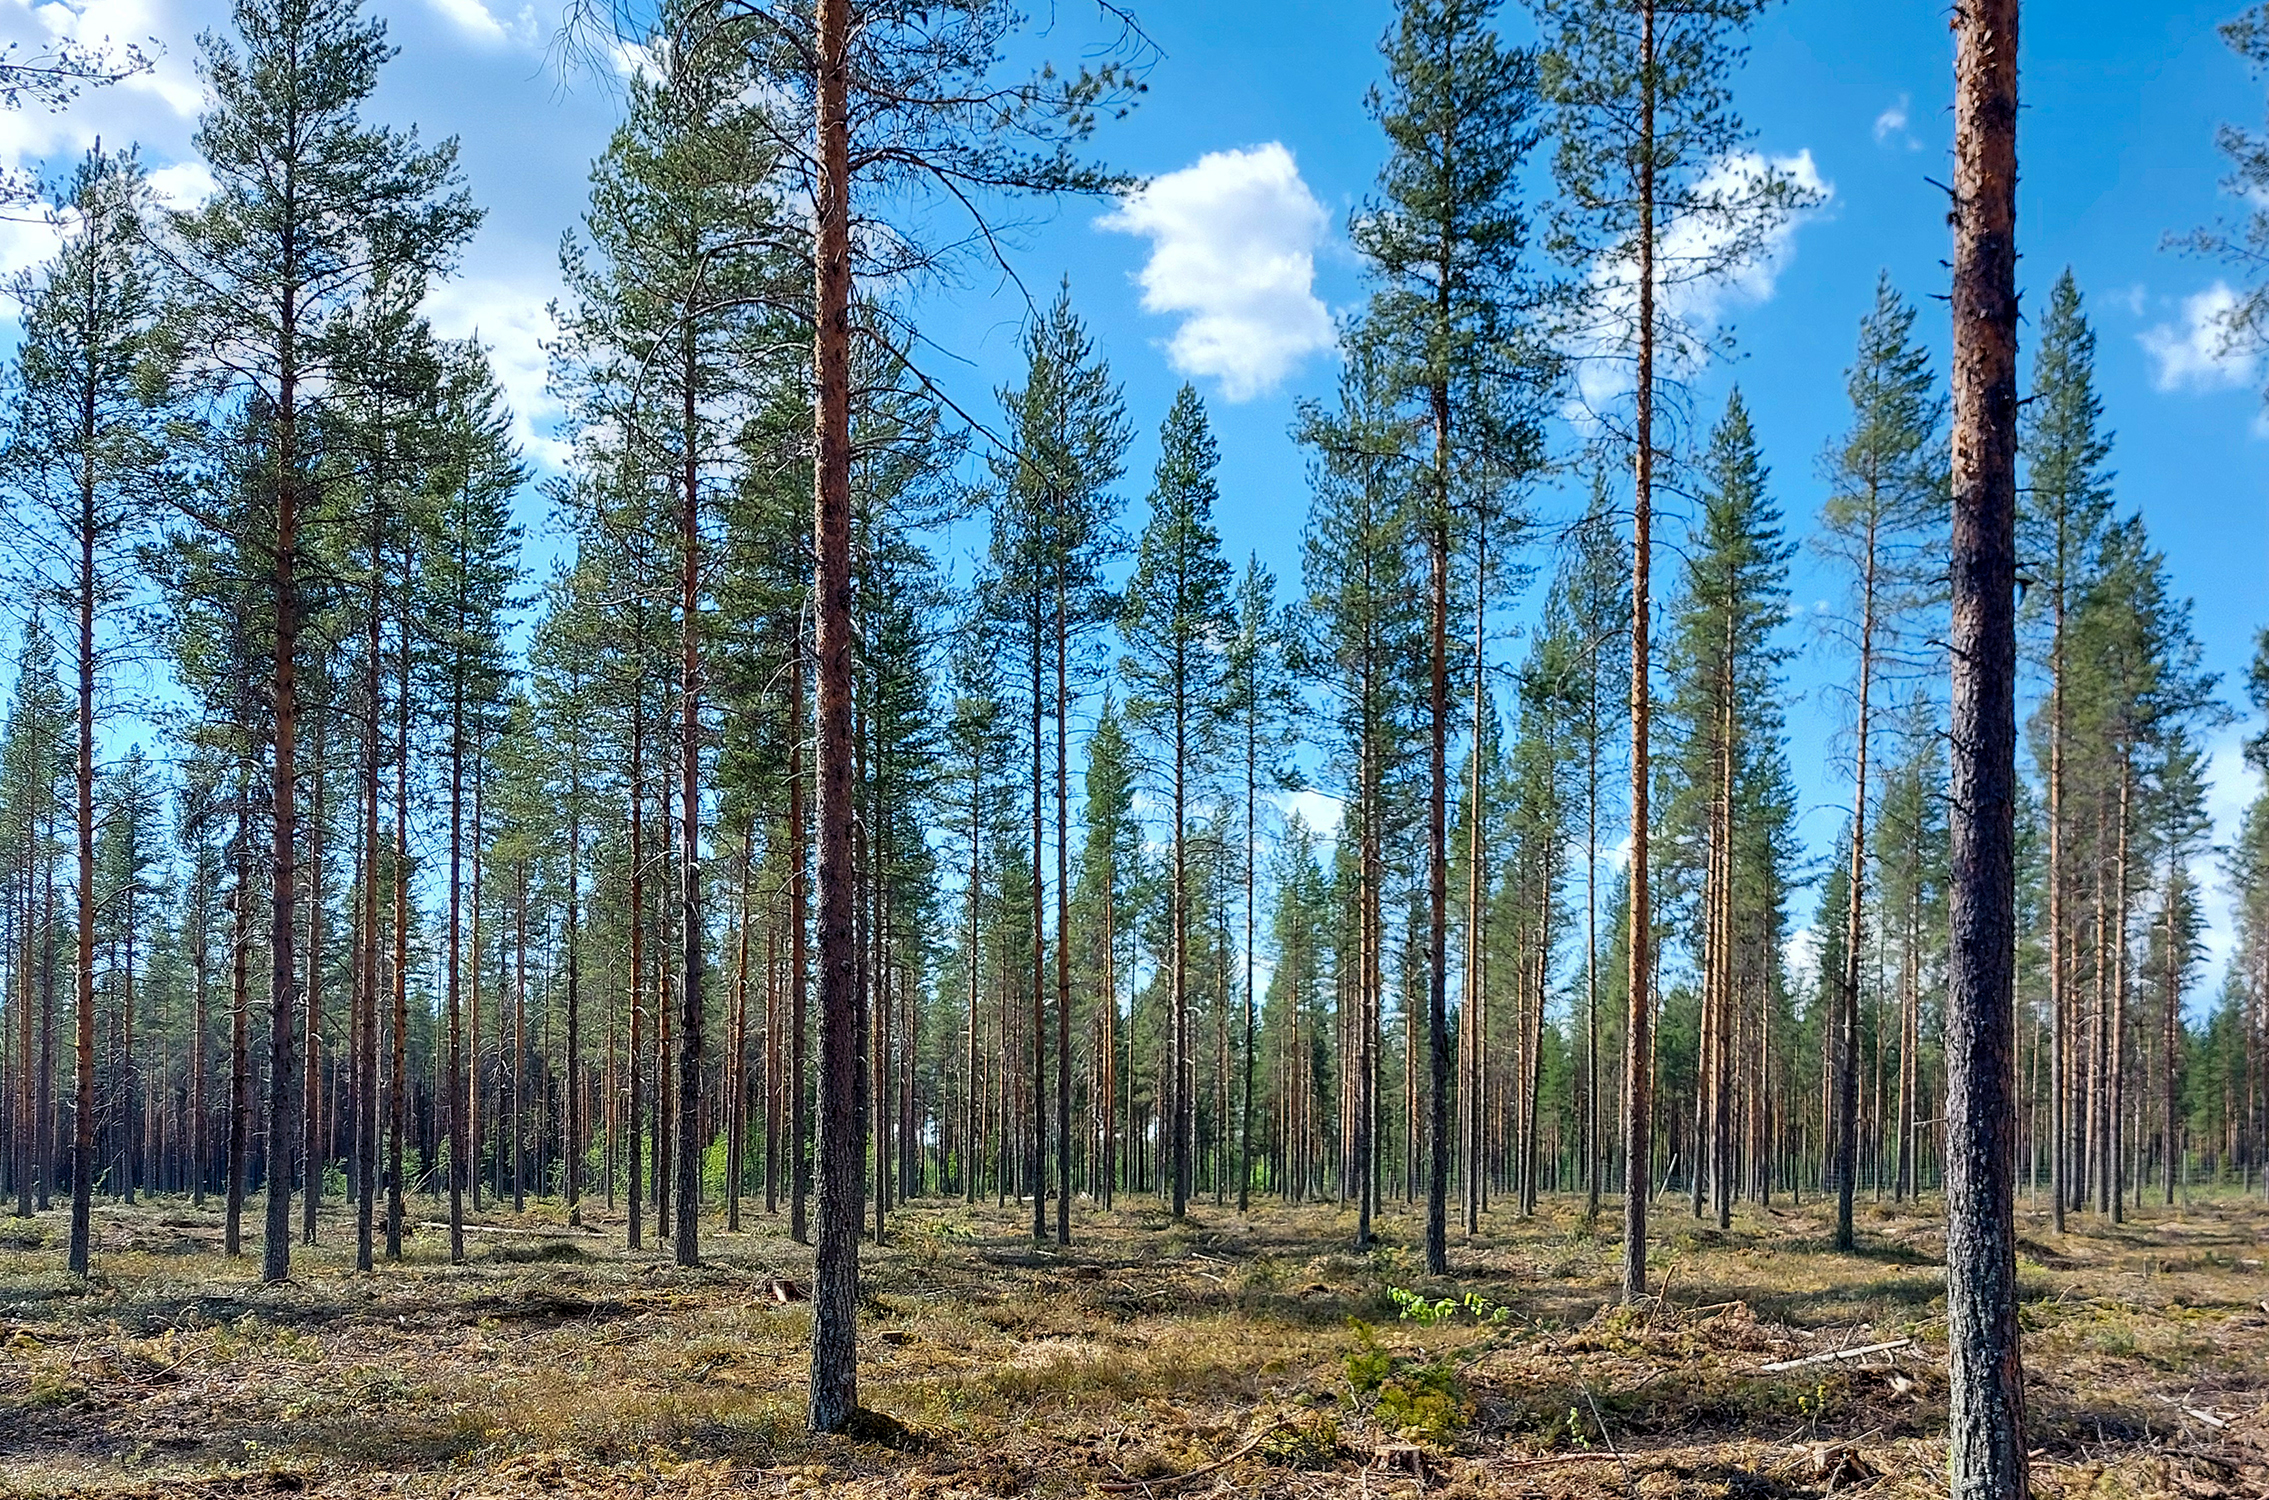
(1320, 810)
(471, 17)
(481, 24)
(512, 320)
(154, 110)
(182, 185)
(2198, 355)
(121, 112)
(1233, 242)
(1800, 958)
(1893, 122)
(1708, 260)
(634, 60)
(2231, 785)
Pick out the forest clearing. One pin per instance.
(556, 1363)
(1447, 879)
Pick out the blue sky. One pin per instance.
(1229, 271)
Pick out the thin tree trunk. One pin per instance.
(1638, 1054)
(1063, 920)
(397, 1102)
(283, 702)
(453, 980)
(634, 1158)
(83, 791)
(311, 1152)
(799, 861)
(2116, 951)
(1847, 1072)
(1437, 841)
(736, 1059)
(687, 1242)
(834, 1390)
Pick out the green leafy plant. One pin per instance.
(1427, 1313)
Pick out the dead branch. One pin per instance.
(1832, 1355)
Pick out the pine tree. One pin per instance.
(682, 267)
(1724, 662)
(1053, 535)
(1445, 243)
(1263, 701)
(2065, 507)
(81, 453)
(884, 109)
(474, 580)
(1361, 598)
(1877, 527)
(310, 202)
(1110, 867)
(1176, 615)
(1593, 584)
(1643, 129)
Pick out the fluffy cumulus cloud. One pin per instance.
(1723, 252)
(1233, 242)
(2196, 354)
(512, 319)
(156, 108)
(1703, 272)
(1320, 810)
(183, 185)
(481, 24)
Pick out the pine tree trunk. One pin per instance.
(240, 1020)
(834, 1396)
(970, 1124)
(1638, 1055)
(2119, 1010)
(687, 1242)
(475, 1144)
(799, 857)
(312, 1153)
(453, 1085)
(1183, 1108)
(397, 1103)
(366, 905)
(283, 702)
(1063, 920)
(2059, 998)
(519, 1037)
(634, 1100)
(1437, 845)
(1986, 1406)
(736, 1057)
(83, 791)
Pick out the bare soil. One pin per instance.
(1224, 1355)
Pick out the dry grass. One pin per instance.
(559, 1364)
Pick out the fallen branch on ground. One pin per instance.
(1129, 1486)
(1551, 1460)
(1832, 1355)
(2196, 1415)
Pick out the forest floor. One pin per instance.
(1245, 1355)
